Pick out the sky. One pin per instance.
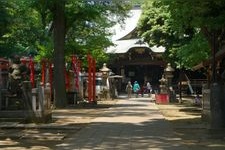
(130, 23)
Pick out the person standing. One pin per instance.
(136, 88)
(149, 88)
(143, 90)
(129, 89)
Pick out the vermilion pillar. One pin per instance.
(50, 76)
(76, 69)
(94, 76)
(91, 79)
(31, 66)
(66, 79)
(43, 70)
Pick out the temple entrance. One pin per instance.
(132, 57)
(144, 73)
(140, 73)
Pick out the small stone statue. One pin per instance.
(17, 74)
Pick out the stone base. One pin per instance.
(206, 117)
(161, 98)
(26, 116)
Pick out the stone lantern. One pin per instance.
(105, 81)
(168, 71)
(163, 88)
(105, 74)
(166, 93)
(162, 97)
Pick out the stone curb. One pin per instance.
(35, 126)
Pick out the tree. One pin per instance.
(59, 53)
(206, 20)
(87, 28)
(209, 18)
(56, 29)
(154, 25)
(157, 28)
(5, 17)
(90, 19)
(19, 29)
(96, 19)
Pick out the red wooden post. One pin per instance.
(76, 71)
(23, 61)
(66, 79)
(43, 68)
(50, 76)
(89, 79)
(94, 76)
(31, 66)
(4, 65)
(73, 58)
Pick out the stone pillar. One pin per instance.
(41, 103)
(105, 74)
(168, 71)
(27, 88)
(163, 87)
(206, 104)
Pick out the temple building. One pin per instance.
(131, 57)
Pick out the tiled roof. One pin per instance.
(120, 31)
(122, 46)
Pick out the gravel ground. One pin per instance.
(188, 125)
(65, 123)
(185, 119)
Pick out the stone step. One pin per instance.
(32, 134)
(12, 119)
(12, 113)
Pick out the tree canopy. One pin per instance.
(19, 29)
(56, 29)
(199, 27)
(26, 27)
(186, 28)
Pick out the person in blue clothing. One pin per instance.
(136, 88)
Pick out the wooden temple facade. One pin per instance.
(138, 64)
(133, 59)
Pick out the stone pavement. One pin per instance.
(137, 123)
(131, 124)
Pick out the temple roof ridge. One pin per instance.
(130, 23)
(125, 36)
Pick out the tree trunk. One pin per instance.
(216, 88)
(216, 106)
(59, 60)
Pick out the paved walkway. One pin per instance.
(130, 125)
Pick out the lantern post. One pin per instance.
(168, 71)
(105, 74)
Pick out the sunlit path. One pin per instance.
(131, 124)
